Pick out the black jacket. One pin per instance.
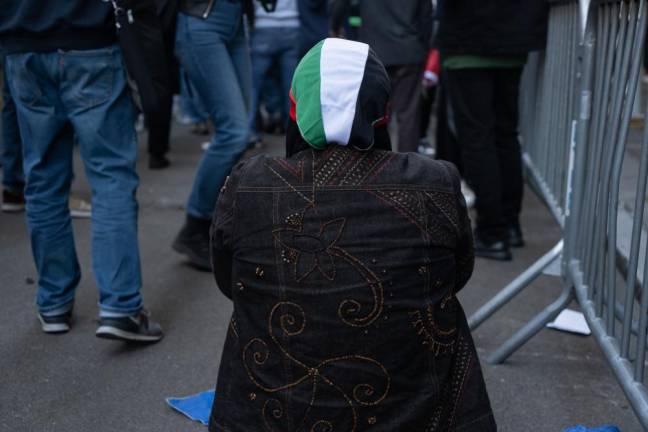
(343, 267)
(492, 27)
(39, 26)
(399, 31)
(313, 18)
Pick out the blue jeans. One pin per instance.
(12, 174)
(59, 95)
(273, 47)
(190, 104)
(215, 55)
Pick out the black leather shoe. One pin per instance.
(514, 236)
(157, 162)
(497, 250)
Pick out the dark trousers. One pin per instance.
(158, 122)
(406, 104)
(447, 147)
(485, 109)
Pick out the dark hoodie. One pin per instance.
(41, 26)
(399, 31)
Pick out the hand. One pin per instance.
(430, 79)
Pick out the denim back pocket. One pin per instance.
(24, 84)
(89, 77)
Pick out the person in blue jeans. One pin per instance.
(274, 43)
(213, 50)
(66, 77)
(13, 179)
(191, 108)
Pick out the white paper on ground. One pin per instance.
(571, 321)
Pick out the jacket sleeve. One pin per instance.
(426, 16)
(222, 232)
(338, 12)
(464, 249)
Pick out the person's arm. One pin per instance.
(222, 232)
(339, 12)
(426, 22)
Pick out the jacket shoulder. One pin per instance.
(419, 170)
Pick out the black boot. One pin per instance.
(193, 242)
(495, 250)
(157, 162)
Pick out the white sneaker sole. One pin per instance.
(53, 328)
(12, 208)
(80, 214)
(109, 332)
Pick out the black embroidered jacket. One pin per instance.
(343, 268)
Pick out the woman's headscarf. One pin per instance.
(339, 95)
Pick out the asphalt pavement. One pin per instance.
(78, 383)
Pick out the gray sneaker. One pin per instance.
(136, 328)
(56, 323)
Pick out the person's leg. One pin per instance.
(406, 103)
(159, 125)
(447, 146)
(213, 66)
(271, 99)
(159, 131)
(47, 150)
(13, 179)
(507, 90)
(189, 104)
(214, 54)
(289, 60)
(95, 96)
(472, 93)
(261, 51)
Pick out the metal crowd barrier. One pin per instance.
(577, 100)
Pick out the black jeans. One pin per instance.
(485, 109)
(406, 104)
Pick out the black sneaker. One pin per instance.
(497, 250)
(137, 328)
(514, 236)
(193, 242)
(11, 202)
(57, 323)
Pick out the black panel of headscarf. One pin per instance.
(295, 143)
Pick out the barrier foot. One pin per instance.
(532, 327)
(515, 287)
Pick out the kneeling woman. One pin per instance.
(343, 261)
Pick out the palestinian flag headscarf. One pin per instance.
(339, 94)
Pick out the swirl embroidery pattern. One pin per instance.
(290, 318)
(310, 246)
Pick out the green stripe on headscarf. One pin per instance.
(306, 87)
